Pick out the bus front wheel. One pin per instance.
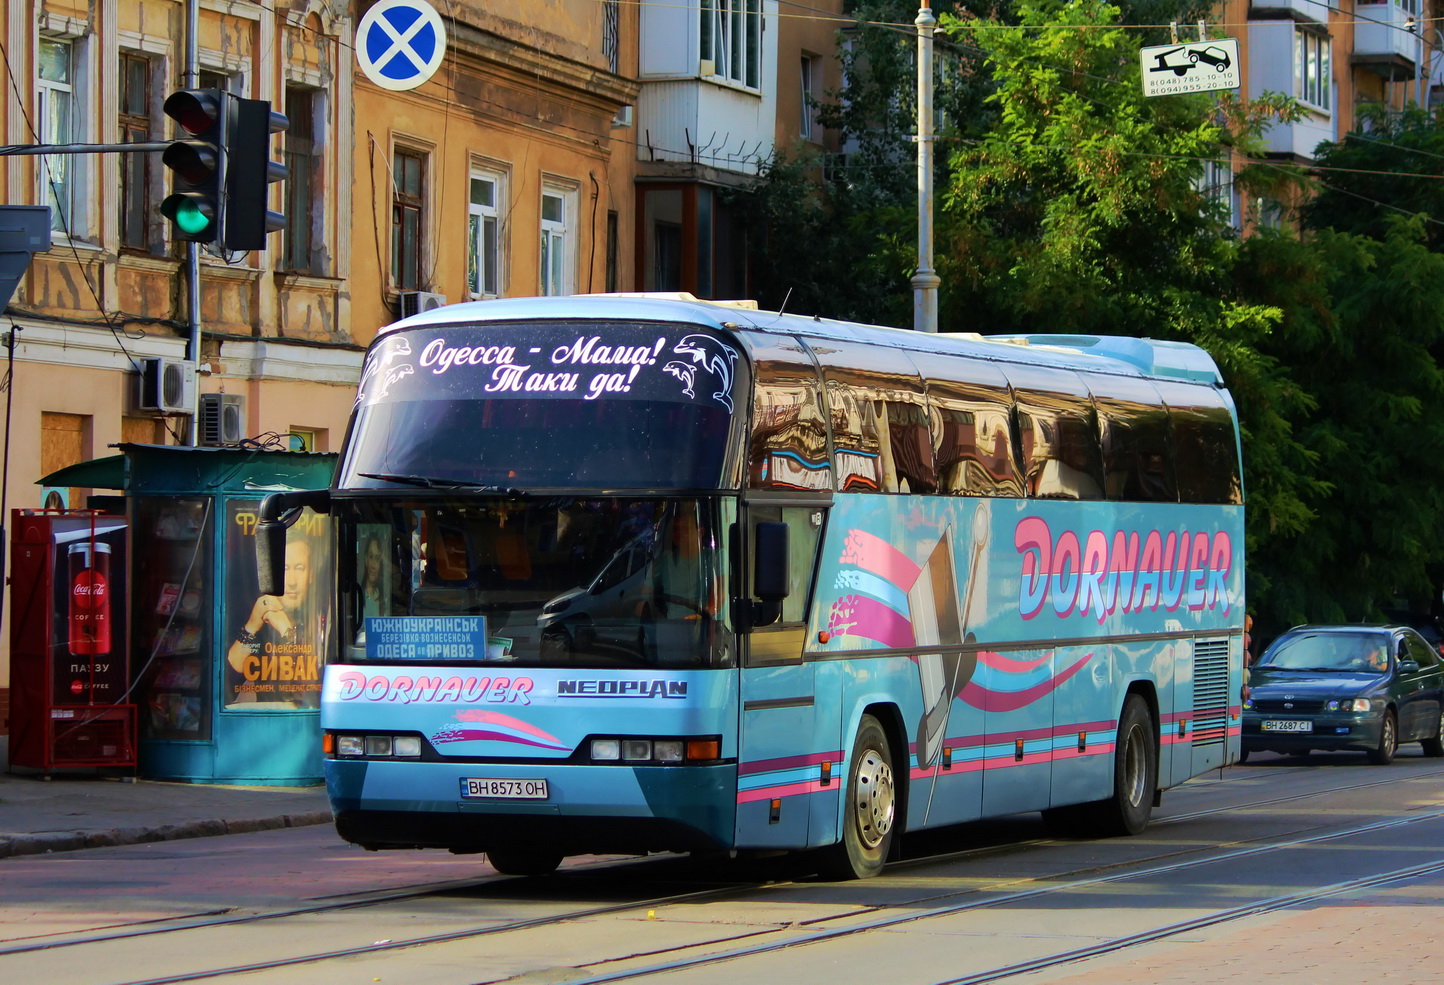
(869, 808)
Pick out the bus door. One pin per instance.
(780, 753)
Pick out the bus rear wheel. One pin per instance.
(1135, 778)
(520, 862)
(869, 808)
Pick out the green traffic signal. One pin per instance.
(190, 216)
(197, 162)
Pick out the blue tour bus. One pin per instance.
(643, 573)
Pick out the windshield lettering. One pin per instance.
(514, 379)
(591, 352)
(440, 357)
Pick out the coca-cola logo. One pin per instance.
(89, 590)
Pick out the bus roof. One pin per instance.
(1092, 353)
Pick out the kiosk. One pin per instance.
(227, 683)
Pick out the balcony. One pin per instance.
(696, 121)
(1310, 11)
(1382, 41)
(1271, 68)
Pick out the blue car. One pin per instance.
(1367, 688)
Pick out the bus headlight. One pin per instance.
(636, 750)
(350, 745)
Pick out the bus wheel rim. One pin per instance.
(1135, 767)
(874, 799)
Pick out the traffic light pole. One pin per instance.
(193, 250)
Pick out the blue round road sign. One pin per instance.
(400, 43)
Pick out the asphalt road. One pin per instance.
(1314, 871)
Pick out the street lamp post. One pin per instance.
(925, 282)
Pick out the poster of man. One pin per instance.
(278, 643)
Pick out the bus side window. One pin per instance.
(1133, 426)
(1058, 434)
(909, 449)
(1205, 446)
(973, 438)
(856, 445)
(788, 445)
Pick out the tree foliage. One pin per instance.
(1069, 202)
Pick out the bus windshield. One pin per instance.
(561, 582)
(614, 406)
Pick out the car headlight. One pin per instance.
(1351, 704)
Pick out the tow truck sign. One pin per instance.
(1199, 66)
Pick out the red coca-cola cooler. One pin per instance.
(69, 667)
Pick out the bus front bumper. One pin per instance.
(589, 809)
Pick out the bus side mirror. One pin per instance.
(278, 512)
(770, 578)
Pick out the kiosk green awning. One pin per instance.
(98, 473)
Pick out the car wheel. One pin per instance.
(521, 862)
(1383, 753)
(869, 812)
(1435, 747)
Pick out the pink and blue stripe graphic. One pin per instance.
(1008, 683)
(477, 725)
(875, 608)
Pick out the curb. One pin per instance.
(45, 842)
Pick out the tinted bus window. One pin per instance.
(1205, 445)
(1133, 427)
(874, 399)
(1057, 434)
(787, 448)
(908, 458)
(973, 437)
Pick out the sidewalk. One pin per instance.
(74, 811)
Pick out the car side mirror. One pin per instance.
(1408, 666)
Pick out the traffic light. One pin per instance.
(196, 205)
(249, 173)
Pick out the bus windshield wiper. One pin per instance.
(430, 482)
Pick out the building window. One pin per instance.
(64, 441)
(612, 33)
(811, 71)
(306, 439)
(409, 176)
(303, 180)
(1311, 67)
(58, 125)
(483, 241)
(135, 169)
(731, 40)
(556, 241)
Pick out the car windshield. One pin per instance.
(1341, 652)
(559, 581)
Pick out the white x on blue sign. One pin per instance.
(400, 43)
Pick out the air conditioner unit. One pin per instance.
(623, 117)
(415, 302)
(167, 385)
(223, 418)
